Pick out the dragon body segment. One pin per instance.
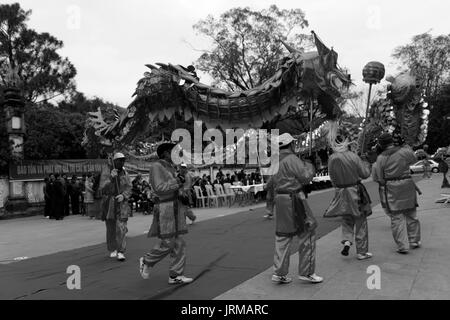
(169, 89)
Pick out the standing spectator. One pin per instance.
(47, 198)
(97, 197)
(51, 195)
(136, 194)
(75, 191)
(147, 204)
(443, 167)
(270, 198)
(82, 193)
(426, 163)
(59, 194)
(89, 196)
(67, 192)
(241, 175)
(185, 191)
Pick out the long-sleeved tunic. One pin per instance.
(346, 170)
(397, 188)
(292, 175)
(169, 218)
(111, 209)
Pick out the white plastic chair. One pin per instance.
(199, 195)
(212, 197)
(229, 193)
(221, 193)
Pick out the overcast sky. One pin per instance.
(110, 41)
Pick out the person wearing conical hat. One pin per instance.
(293, 217)
(398, 192)
(351, 201)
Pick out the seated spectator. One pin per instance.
(218, 179)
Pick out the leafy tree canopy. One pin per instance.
(246, 44)
(44, 73)
(429, 58)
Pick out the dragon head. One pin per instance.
(403, 87)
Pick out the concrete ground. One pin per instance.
(37, 236)
(424, 273)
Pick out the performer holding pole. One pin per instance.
(293, 216)
(116, 190)
(398, 192)
(351, 201)
(169, 219)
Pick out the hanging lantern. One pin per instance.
(373, 72)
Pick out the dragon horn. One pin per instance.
(290, 49)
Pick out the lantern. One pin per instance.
(373, 72)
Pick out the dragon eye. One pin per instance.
(335, 81)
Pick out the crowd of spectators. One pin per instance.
(142, 197)
(75, 196)
(237, 178)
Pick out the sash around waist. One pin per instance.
(288, 192)
(341, 186)
(396, 179)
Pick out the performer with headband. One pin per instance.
(351, 200)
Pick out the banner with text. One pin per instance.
(39, 169)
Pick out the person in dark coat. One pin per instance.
(59, 194)
(443, 167)
(75, 191)
(82, 193)
(50, 190)
(67, 192)
(47, 197)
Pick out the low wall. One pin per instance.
(34, 192)
(4, 191)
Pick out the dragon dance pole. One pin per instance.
(373, 72)
(310, 126)
(366, 119)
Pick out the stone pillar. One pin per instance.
(14, 108)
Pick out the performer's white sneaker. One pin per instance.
(364, 256)
(268, 216)
(113, 254)
(415, 245)
(313, 278)
(281, 279)
(120, 256)
(180, 280)
(144, 269)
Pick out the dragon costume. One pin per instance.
(169, 90)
